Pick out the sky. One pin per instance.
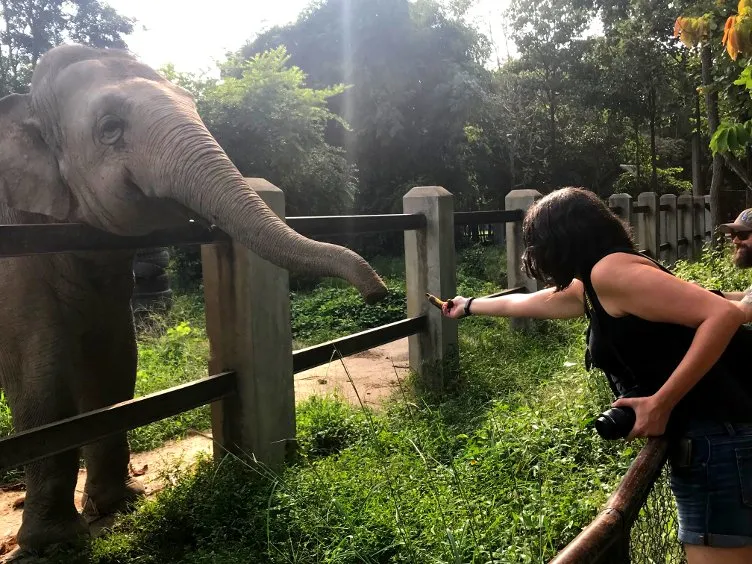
(170, 31)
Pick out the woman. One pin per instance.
(666, 336)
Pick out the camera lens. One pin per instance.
(615, 423)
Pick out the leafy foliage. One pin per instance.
(415, 81)
(333, 312)
(271, 125)
(29, 28)
(505, 470)
(715, 271)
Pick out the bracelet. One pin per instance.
(467, 306)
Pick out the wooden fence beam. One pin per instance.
(38, 443)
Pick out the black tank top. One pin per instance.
(634, 351)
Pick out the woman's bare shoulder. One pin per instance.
(615, 265)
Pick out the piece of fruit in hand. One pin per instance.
(437, 302)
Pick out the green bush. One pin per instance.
(715, 270)
(333, 312)
(483, 262)
(506, 468)
(327, 425)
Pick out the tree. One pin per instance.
(271, 125)
(548, 35)
(415, 78)
(29, 28)
(702, 34)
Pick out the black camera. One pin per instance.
(617, 422)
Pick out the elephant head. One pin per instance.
(105, 140)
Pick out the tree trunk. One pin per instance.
(652, 107)
(711, 101)
(637, 153)
(698, 185)
(552, 125)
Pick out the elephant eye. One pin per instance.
(110, 129)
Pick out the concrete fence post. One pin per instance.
(621, 205)
(699, 213)
(647, 223)
(518, 200)
(709, 227)
(248, 323)
(430, 267)
(669, 230)
(686, 227)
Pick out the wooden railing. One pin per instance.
(251, 390)
(606, 540)
(243, 396)
(668, 227)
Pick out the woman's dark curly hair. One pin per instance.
(566, 232)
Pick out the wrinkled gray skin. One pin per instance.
(106, 141)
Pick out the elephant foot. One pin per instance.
(40, 538)
(103, 502)
(21, 556)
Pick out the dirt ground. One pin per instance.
(374, 374)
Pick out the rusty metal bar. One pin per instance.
(490, 217)
(606, 534)
(317, 355)
(34, 239)
(38, 443)
(317, 226)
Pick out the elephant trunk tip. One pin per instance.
(352, 267)
(374, 291)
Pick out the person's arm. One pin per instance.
(543, 304)
(627, 284)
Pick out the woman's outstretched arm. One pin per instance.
(543, 304)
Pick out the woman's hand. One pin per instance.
(454, 308)
(651, 416)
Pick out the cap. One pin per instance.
(741, 223)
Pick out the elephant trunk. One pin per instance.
(201, 177)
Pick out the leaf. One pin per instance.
(731, 139)
(719, 140)
(742, 135)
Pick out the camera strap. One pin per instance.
(618, 386)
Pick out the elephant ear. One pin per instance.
(29, 175)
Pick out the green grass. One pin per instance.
(172, 351)
(715, 271)
(503, 469)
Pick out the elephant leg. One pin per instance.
(110, 377)
(44, 396)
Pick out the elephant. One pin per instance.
(104, 140)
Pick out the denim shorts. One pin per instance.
(712, 484)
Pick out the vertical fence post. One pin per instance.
(686, 225)
(248, 323)
(430, 267)
(669, 231)
(621, 205)
(647, 223)
(709, 227)
(699, 213)
(518, 200)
